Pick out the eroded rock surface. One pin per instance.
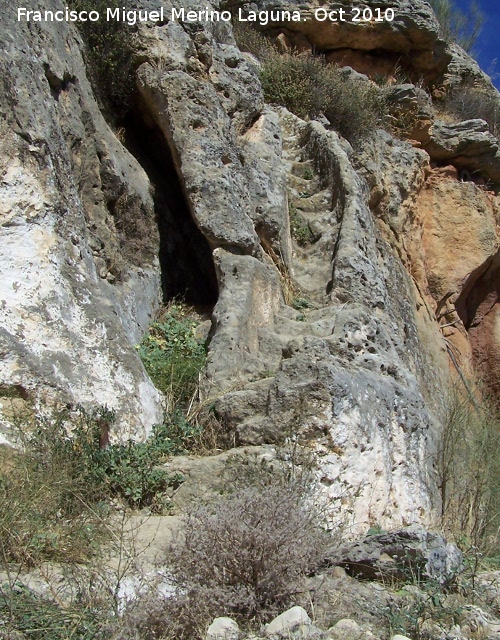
(75, 294)
(336, 282)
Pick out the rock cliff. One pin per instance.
(346, 342)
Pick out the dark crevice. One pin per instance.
(57, 85)
(187, 266)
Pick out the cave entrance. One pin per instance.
(187, 266)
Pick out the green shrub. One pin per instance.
(25, 614)
(296, 82)
(252, 41)
(53, 496)
(109, 54)
(173, 356)
(462, 27)
(307, 86)
(129, 470)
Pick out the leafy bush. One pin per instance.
(173, 356)
(307, 86)
(129, 471)
(252, 41)
(462, 27)
(52, 496)
(109, 55)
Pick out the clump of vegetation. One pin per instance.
(299, 227)
(25, 614)
(411, 611)
(56, 496)
(468, 101)
(456, 25)
(252, 41)
(469, 470)
(109, 55)
(307, 86)
(53, 495)
(48, 509)
(244, 555)
(173, 356)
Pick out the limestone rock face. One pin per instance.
(412, 34)
(76, 292)
(459, 250)
(336, 282)
(342, 373)
(469, 146)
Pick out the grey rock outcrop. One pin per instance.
(337, 374)
(410, 552)
(413, 34)
(328, 339)
(467, 145)
(74, 298)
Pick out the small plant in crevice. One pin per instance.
(299, 227)
(173, 355)
(300, 304)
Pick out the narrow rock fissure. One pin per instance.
(187, 267)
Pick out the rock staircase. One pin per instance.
(312, 221)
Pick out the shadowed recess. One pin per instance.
(187, 266)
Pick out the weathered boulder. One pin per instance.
(410, 39)
(286, 621)
(467, 145)
(223, 629)
(411, 110)
(411, 552)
